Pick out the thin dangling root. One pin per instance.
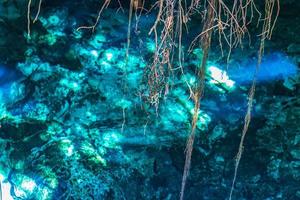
(197, 95)
(267, 29)
(28, 16)
(38, 12)
(104, 6)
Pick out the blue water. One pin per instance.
(274, 66)
(8, 75)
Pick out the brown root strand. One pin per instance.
(266, 34)
(104, 6)
(205, 45)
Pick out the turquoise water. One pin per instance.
(79, 118)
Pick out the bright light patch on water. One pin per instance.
(111, 139)
(28, 184)
(151, 46)
(67, 147)
(1, 178)
(70, 151)
(45, 194)
(109, 56)
(105, 65)
(220, 77)
(75, 85)
(94, 53)
(274, 66)
(192, 80)
(70, 84)
(5, 187)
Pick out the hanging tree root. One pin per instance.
(35, 18)
(28, 18)
(205, 45)
(268, 26)
(104, 6)
(157, 72)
